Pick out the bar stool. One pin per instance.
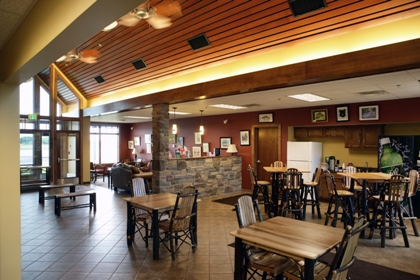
(339, 200)
(388, 207)
(311, 190)
(291, 193)
(412, 191)
(260, 187)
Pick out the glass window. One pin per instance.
(104, 144)
(26, 97)
(44, 109)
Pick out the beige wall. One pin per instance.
(359, 157)
(10, 264)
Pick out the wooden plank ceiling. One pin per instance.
(234, 29)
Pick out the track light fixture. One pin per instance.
(174, 126)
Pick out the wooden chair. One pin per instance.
(258, 260)
(142, 217)
(340, 202)
(97, 170)
(311, 190)
(388, 207)
(260, 187)
(357, 189)
(291, 193)
(344, 257)
(412, 191)
(278, 164)
(180, 227)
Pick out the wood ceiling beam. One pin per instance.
(379, 60)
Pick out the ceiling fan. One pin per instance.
(87, 56)
(158, 16)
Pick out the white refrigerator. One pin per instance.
(305, 156)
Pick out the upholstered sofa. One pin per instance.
(121, 175)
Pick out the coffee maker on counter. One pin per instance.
(332, 163)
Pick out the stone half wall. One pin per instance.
(210, 175)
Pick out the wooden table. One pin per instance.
(364, 177)
(275, 177)
(153, 204)
(299, 240)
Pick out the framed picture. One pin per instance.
(180, 142)
(268, 117)
(369, 113)
(172, 138)
(130, 144)
(149, 148)
(197, 137)
(196, 151)
(225, 142)
(244, 137)
(148, 138)
(342, 113)
(206, 147)
(136, 141)
(320, 115)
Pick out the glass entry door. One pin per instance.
(68, 158)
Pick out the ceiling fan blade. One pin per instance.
(169, 8)
(89, 59)
(159, 22)
(89, 56)
(129, 19)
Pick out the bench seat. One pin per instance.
(43, 188)
(92, 201)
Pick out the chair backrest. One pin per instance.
(329, 182)
(413, 185)
(278, 164)
(347, 180)
(245, 211)
(252, 175)
(317, 174)
(139, 187)
(121, 178)
(344, 256)
(397, 189)
(293, 179)
(185, 207)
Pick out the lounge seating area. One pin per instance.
(84, 245)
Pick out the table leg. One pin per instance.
(130, 225)
(309, 269)
(275, 193)
(155, 232)
(238, 266)
(364, 203)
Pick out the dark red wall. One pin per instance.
(395, 111)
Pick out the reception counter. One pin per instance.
(211, 175)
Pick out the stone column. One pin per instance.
(160, 143)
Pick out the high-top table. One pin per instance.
(296, 239)
(153, 204)
(275, 177)
(365, 177)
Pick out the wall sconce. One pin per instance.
(225, 121)
(232, 149)
(201, 126)
(174, 126)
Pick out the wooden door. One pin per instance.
(266, 148)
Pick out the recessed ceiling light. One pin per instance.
(227, 106)
(137, 117)
(309, 97)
